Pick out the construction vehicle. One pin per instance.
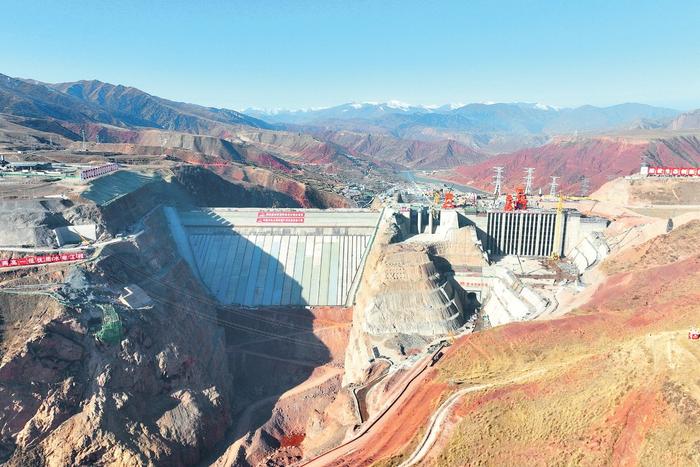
(436, 357)
(694, 333)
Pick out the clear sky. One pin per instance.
(298, 54)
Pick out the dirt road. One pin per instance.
(377, 425)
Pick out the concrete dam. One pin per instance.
(267, 257)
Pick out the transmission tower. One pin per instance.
(553, 186)
(82, 132)
(499, 179)
(528, 179)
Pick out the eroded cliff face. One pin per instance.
(598, 159)
(159, 394)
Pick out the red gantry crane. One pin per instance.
(519, 203)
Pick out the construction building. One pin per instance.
(524, 233)
(532, 232)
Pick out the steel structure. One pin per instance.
(529, 172)
(97, 171)
(553, 186)
(499, 179)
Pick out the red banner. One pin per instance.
(37, 260)
(281, 217)
(97, 171)
(674, 171)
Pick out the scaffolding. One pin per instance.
(111, 330)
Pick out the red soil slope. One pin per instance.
(614, 383)
(598, 159)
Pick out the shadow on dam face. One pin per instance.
(279, 258)
(271, 348)
(471, 304)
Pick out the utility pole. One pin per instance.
(497, 183)
(553, 186)
(528, 179)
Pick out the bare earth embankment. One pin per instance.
(613, 382)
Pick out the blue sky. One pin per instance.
(297, 54)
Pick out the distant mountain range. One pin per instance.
(359, 135)
(104, 110)
(686, 121)
(477, 124)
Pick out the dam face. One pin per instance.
(267, 257)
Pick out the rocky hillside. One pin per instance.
(415, 154)
(168, 382)
(611, 383)
(137, 108)
(598, 159)
(98, 102)
(74, 400)
(26, 98)
(686, 121)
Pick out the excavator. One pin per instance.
(694, 333)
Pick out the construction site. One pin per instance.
(339, 234)
(283, 334)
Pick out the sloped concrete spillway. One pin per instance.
(263, 257)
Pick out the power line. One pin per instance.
(229, 324)
(499, 179)
(529, 172)
(553, 186)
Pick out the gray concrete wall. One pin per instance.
(525, 233)
(300, 257)
(73, 234)
(479, 221)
